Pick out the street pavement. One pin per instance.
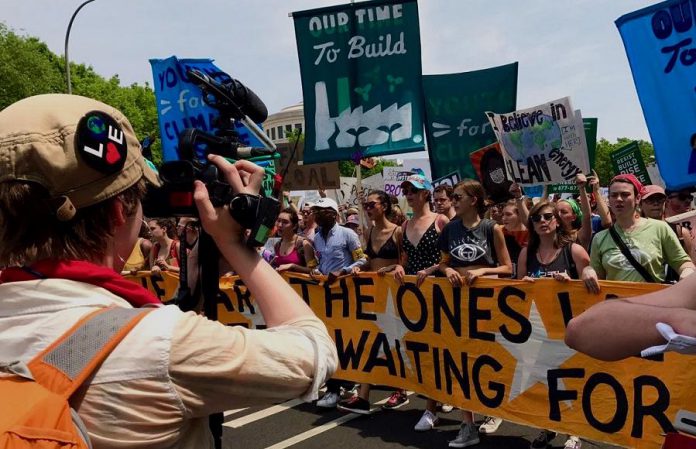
(299, 425)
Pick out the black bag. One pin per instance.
(627, 254)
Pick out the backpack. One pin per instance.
(35, 410)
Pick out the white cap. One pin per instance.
(326, 203)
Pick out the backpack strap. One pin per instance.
(70, 360)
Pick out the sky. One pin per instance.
(564, 47)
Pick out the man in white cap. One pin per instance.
(339, 252)
(72, 177)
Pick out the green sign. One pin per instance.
(456, 123)
(628, 159)
(591, 138)
(361, 80)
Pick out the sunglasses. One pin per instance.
(409, 190)
(682, 197)
(655, 199)
(536, 218)
(370, 205)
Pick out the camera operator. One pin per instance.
(71, 182)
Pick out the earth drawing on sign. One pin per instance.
(533, 140)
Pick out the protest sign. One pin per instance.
(490, 170)
(361, 69)
(495, 348)
(393, 177)
(686, 220)
(180, 103)
(542, 145)
(347, 194)
(450, 179)
(660, 49)
(590, 125)
(628, 159)
(455, 108)
(305, 177)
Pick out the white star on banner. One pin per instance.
(393, 328)
(536, 356)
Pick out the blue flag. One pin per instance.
(660, 45)
(180, 103)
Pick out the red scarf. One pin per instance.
(81, 271)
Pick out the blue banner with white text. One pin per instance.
(660, 45)
(180, 103)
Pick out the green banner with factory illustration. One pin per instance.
(361, 80)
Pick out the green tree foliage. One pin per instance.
(347, 168)
(28, 67)
(603, 166)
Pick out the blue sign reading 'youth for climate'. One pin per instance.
(661, 48)
(180, 103)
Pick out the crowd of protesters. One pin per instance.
(458, 233)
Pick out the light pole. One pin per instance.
(67, 38)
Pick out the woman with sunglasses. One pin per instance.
(639, 247)
(293, 250)
(382, 251)
(551, 254)
(471, 247)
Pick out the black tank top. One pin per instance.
(425, 254)
(562, 263)
(389, 250)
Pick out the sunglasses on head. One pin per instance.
(370, 205)
(536, 218)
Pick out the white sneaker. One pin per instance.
(329, 400)
(490, 424)
(573, 442)
(466, 437)
(446, 408)
(427, 422)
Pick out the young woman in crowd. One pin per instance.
(293, 250)
(418, 250)
(647, 244)
(551, 253)
(139, 259)
(514, 217)
(382, 250)
(471, 247)
(165, 251)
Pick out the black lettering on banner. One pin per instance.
(611, 296)
(499, 389)
(451, 367)
(476, 314)
(304, 287)
(348, 353)
(440, 306)
(557, 396)
(416, 348)
(566, 309)
(437, 367)
(419, 325)
(341, 295)
(243, 298)
(158, 289)
(657, 409)
(361, 299)
(227, 301)
(402, 370)
(374, 359)
(619, 419)
(525, 325)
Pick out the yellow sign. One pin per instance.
(496, 348)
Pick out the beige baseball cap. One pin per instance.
(81, 150)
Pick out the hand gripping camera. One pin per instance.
(254, 212)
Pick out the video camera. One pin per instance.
(235, 102)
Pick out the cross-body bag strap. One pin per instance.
(627, 254)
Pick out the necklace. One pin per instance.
(551, 259)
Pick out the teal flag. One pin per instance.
(361, 70)
(456, 123)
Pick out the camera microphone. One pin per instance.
(250, 104)
(249, 152)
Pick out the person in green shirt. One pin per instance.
(651, 242)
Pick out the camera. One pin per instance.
(175, 198)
